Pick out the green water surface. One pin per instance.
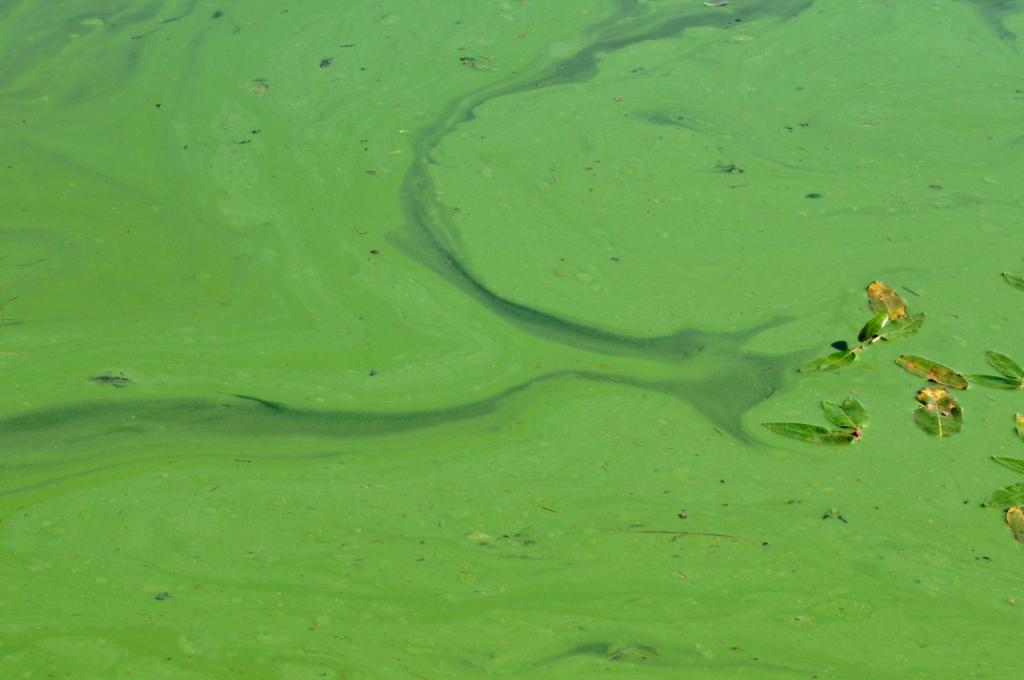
(448, 328)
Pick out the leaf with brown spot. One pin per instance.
(939, 414)
(882, 298)
(1015, 520)
(930, 370)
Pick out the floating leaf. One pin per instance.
(1019, 420)
(1015, 520)
(873, 328)
(832, 361)
(812, 433)
(938, 414)
(1005, 365)
(903, 328)
(1007, 496)
(882, 298)
(997, 381)
(930, 370)
(849, 415)
(1015, 464)
(1015, 281)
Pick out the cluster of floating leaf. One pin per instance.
(937, 413)
(890, 322)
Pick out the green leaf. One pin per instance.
(1015, 464)
(930, 370)
(849, 415)
(832, 361)
(1015, 281)
(1005, 365)
(812, 433)
(903, 328)
(1007, 496)
(856, 411)
(1019, 420)
(873, 328)
(939, 414)
(997, 381)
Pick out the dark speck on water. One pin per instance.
(115, 380)
(812, 195)
(325, 62)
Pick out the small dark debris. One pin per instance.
(245, 141)
(255, 131)
(374, 252)
(803, 125)
(682, 514)
(162, 596)
(834, 514)
(730, 168)
(326, 61)
(348, 45)
(841, 345)
(217, 14)
(983, 557)
(157, 105)
(371, 172)
(115, 380)
(614, 258)
(935, 186)
(812, 195)
(373, 372)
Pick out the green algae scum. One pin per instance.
(434, 340)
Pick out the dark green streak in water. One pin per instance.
(723, 396)
(434, 242)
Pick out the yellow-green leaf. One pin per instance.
(1015, 520)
